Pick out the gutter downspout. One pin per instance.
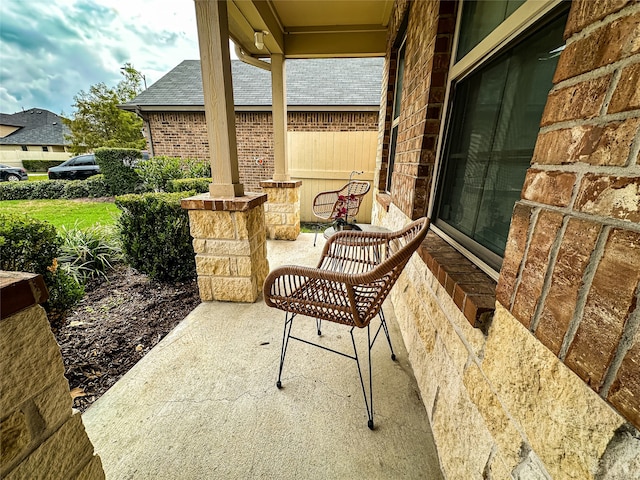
(246, 58)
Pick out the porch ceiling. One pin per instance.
(311, 28)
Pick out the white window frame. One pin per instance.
(517, 23)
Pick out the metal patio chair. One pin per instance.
(344, 202)
(354, 276)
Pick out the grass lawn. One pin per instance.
(65, 212)
(36, 177)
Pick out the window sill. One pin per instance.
(384, 199)
(472, 290)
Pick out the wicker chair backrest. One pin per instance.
(328, 205)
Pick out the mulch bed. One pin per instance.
(115, 325)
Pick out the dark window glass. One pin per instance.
(494, 125)
(45, 149)
(24, 148)
(397, 108)
(480, 18)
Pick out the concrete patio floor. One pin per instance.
(203, 403)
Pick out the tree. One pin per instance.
(98, 122)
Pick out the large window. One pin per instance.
(397, 106)
(492, 129)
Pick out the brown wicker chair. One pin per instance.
(354, 276)
(345, 202)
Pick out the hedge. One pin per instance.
(154, 231)
(92, 187)
(200, 185)
(40, 165)
(117, 165)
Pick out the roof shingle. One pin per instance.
(310, 82)
(39, 127)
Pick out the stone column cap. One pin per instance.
(236, 204)
(19, 290)
(280, 184)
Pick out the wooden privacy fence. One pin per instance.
(324, 161)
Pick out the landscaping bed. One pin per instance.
(116, 323)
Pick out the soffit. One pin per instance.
(311, 28)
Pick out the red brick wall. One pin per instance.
(427, 55)
(571, 271)
(184, 134)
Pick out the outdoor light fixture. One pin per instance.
(258, 39)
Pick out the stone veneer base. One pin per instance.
(229, 239)
(282, 210)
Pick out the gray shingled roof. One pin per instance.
(39, 127)
(313, 82)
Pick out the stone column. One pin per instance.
(282, 210)
(230, 244)
(39, 433)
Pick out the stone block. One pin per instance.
(15, 436)
(293, 218)
(31, 357)
(567, 424)
(238, 289)
(514, 252)
(610, 196)
(243, 266)
(205, 288)
(284, 232)
(282, 207)
(611, 299)
(212, 265)
(54, 403)
(536, 265)
(608, 44)
(549, 187)
(581, 101)
(275, 218)
(586, 12)
(211, 224)
(573, 257)
(503, 431)
(627, 94)
(60, 455)
(92, 470)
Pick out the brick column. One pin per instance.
(282, 209)
(230, 244)
(40, 434)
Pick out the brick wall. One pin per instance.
(429, 36)
(571, 272)
(184, 134)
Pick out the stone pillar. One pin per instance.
(39, 433)
(282, 209)
(230, 244)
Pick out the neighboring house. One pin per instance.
(34, 134)
(332, 121)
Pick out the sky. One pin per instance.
(50, 50)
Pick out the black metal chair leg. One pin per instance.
(386, 333)
(368, 403)
(288, 323)
(319, 325)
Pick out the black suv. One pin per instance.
(76, 168)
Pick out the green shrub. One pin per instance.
(16, 190)
(97, 186)
(117, 166)
(200, 185)
(154, 231)
(30, 245)
(157, 171)
(197, 168)
(51, 189)
(88, 253)
(40, 165)
(48, 189)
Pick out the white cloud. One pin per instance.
(52, 49)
